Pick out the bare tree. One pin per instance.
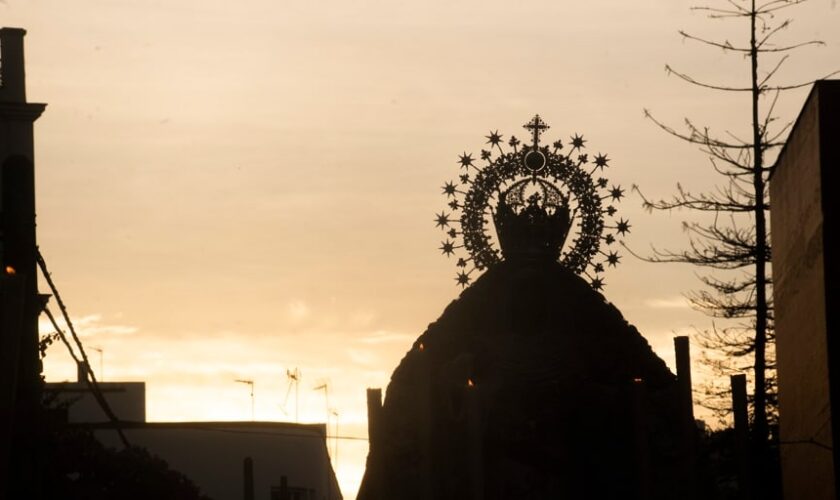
(731, 238)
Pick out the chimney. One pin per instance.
(683, 357)
(82, 372)
(248, 478)
(284, 488)
(374, 407)
(738, 383)
(12, 76)
(686, 402)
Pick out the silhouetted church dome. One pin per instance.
(552, 364)
(549, 318)
(530, 385)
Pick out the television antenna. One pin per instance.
(325, 386)
(334, 412)
(101, 369)
(293, 377)
(250, 383)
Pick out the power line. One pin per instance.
(90, 378)
(61, 335)
(811, 441)
(199, 427)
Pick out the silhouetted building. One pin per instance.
(211, 454)
(530, 384)
(524, 388)
(287, 461)
(20, 302)
(805, 216)
(126, 399)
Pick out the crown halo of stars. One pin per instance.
(473, 194)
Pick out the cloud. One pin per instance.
(297, 310)
(363, 356)
(669, 303)
(381, 337)
(91, 325)
(362, 318)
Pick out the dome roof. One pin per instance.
(538, 368)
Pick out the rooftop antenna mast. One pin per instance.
(325, 387)
(101, 369)
(250, 383)
(334, 412)
(294, 379)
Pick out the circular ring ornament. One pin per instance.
(534, 160)
(548, 171)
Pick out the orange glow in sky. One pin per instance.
(228, 191)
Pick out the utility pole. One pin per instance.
(250, 383)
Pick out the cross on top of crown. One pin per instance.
(536, 126)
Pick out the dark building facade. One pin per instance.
(20, 302)
(804, 216)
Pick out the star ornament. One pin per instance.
(494, 138)
(449, 189)
(597, 283)
(466, 160)
(447, 247)
(442, 220)
(613, 258)
(577, 141)
(623, 226)
(616, 193)
(463, 279)
(601, 161)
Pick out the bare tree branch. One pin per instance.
(725, 45)
(692, 81)
(773, 72)
(799, 85)
(730, 236)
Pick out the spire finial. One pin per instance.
(537, 126)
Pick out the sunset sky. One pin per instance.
(227, 190)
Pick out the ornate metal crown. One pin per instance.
(532, 227)
(536, 196)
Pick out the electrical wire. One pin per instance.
(90, 380)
